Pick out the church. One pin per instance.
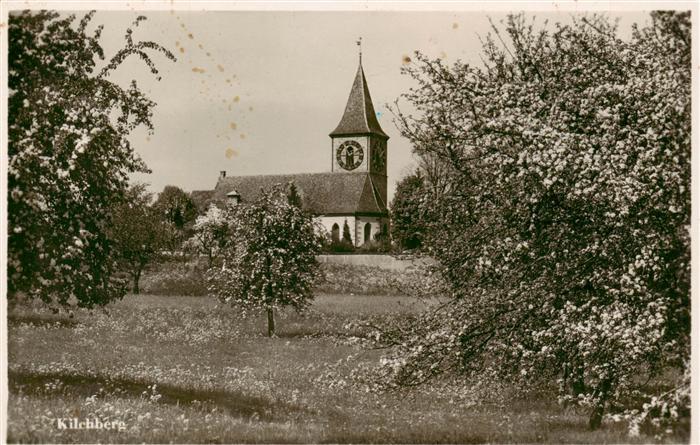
(354, 191)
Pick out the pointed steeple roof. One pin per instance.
(359, 116)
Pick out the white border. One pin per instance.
(179, 5)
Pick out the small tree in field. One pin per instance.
(69, 155)
(139, 233)
(271, 260)
(211, 235)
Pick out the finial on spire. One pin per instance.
(359, 47)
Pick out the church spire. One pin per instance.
(359, 116)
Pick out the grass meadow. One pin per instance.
(189, 369)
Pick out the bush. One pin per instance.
(338, 247)
(376, 246)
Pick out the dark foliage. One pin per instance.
(408, 226)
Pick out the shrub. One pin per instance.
(338, 247)
(376, 246)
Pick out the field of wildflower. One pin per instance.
(189, 369)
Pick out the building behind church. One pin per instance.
(354, 191)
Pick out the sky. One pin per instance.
(258, 92)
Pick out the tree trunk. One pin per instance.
(137, 277)
(578, 385)
(268, 298)
(599, 409)
(270, 322)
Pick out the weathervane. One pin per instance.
(359, 46)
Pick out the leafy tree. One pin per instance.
(407, 224)
(383, 234)
(346, 234)
(564, 230)
(69, 155)
(177, 207)
(211, 234)
(271, 260)
(139, 233)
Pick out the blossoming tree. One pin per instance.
(211, 235)
(69, 156)
(270, 261)
(564, 230)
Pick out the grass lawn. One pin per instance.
(188, 369)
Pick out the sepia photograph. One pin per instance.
(346, 222)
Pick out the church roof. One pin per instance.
(321, 193)
(359, 116)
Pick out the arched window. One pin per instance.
(368, 232)
(335, 233)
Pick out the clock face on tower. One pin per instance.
(349, 155)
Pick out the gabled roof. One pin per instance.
(359, 116)
(321, 193)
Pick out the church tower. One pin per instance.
(353, 193)
(358, 142)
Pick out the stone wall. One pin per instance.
(380, 261)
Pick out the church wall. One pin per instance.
(376, 226)
(356, 224)
(328, 221)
